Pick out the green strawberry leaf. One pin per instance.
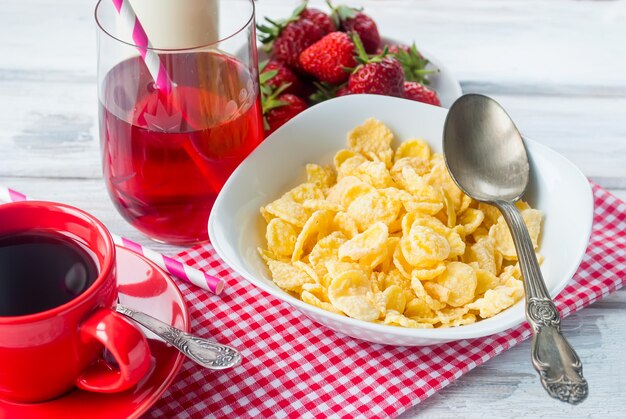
(414, 64)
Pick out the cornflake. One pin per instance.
(386, 236)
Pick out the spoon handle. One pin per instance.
(209, 354)
(553, 357)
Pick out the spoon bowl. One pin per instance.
(484, 150)
(487, 159)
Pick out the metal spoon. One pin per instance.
(487, 159)
(209, 354)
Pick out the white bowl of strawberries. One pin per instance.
(312, 56)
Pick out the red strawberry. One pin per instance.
(294, 39)
(283, 75)
(344, 91)
(320, 19)
(286, 39)
(420, 93)
(413, 62)
(350, 19)
(395, 48)
(329, 58)
(279, 108)
(384, 77)
(379, 74)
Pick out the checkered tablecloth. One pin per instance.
(294, 367)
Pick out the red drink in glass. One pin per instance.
(167, 155)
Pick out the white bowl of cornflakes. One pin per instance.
(372, 240)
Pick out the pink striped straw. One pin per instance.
(150, 57)
(168, 264)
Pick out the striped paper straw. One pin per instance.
(149, 56)
(170, 265)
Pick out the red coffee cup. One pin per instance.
(45, 354)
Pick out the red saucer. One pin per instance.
(145, 287)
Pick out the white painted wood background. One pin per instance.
(559, 67)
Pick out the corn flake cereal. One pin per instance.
(315, 228)
(501, 235)
(321, 177)
(341, 156)
(326, 250)
(310, 298)
(304, 192)
(348, 293)
(373, 173)
(418, 308)
(395, 298)
(461, 280)
(413, 148)
(424, 247)
(373, 207)
(386, 236)
(371, 242)
(281, 237)
(396, 319)
(372, 139)
(290, 211)
(347, 190)
(497, 299)
(287, 276)
(345, 223)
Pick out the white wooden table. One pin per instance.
(559, 67)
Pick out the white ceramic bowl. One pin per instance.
(236, 228)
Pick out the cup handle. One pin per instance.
(125, 342)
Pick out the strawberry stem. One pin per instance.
(361, 56)
(414, 64)
(341, 13)
(269, 96)
(269, 33)
(264, 77)
(269, 100)
(325, 91)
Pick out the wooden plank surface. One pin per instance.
(559, 68)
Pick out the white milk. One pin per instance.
(173, 24)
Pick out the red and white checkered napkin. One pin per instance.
(295, 367)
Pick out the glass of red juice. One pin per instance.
(167, 153)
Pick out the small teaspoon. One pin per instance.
(207, 353)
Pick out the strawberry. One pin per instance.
(420, 93)
(394, 49)
(329, 58)
(344, 91)
(278, 106)
(384, 77)
(283, 76)
(284, 107)
(294, 39)
(320, 19)
(379, 74)
(286, 39)
(413, 62)
(350, 19)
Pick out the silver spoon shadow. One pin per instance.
(207, 353)
(487, 159)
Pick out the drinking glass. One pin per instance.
(167, 150)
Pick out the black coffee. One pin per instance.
(40, 271)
